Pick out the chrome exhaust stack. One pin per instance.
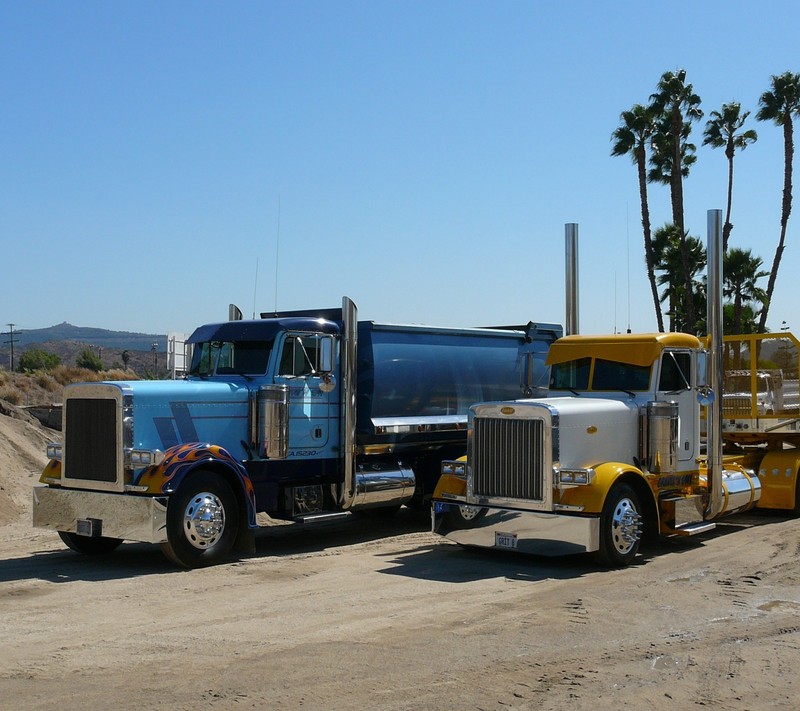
(715, 365)
(348, 394)
(571, 246)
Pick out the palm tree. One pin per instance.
(669, 261)
(780, 105)
(677, 105)
(631, 137)
(723, 130)
(741, 271)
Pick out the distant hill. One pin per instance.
(68, 342)
(99, 337)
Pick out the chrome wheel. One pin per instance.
(626, 526)
(204, 520)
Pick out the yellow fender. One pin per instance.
(593, 496)
(51, 472)
(777, 473)
(450, 485)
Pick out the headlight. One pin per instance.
(575, 477)
(138, 458)
(54, 451)
(454, 469)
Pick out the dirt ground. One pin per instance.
(368, 614)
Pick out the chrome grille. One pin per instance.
(90, 439)
(508, 458)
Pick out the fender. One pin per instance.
(180, 461)
(450, 486)
(51, 474)
(777, 473)
(593, 496)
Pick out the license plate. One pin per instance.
(505, 540)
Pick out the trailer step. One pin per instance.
(322, 517)
(692, 529)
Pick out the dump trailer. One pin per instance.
(302, 415)
(630, 442)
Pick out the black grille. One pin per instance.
(508, 458)
(91, 440)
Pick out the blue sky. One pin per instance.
(159, 160)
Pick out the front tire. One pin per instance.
(620, 527)
(463, 516)
(202, 521)
(87, 545)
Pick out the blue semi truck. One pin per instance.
(301, 415)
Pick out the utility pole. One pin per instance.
(155, 360)
(12, 341)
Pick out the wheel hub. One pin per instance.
(626, 526)
(204, 520)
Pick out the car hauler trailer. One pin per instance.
(618, 450)
(302, 415)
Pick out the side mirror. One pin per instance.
(705, 396)
(326, 351)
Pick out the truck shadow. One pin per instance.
(132, 560)
(434, 559)
(450, 563)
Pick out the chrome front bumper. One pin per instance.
(133, 518)
(525, 531)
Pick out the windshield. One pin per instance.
(230, 358)
(606, 375)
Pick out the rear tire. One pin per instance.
(202, 521)
(87, 545)
(620, 527)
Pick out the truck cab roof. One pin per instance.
(633, 348)
(260, 329)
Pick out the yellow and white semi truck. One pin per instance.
(630, 443)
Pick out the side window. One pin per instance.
(573, 374)
(611, 375)
(300, 356)
(676, 372)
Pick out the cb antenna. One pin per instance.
(277, 253)
(255, 289)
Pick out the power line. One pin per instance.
(11, 341)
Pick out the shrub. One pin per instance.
(38, 359)
(88, 359)
(11, 394)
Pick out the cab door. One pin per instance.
(313, 403)
(676, 384)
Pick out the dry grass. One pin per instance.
(46, 387)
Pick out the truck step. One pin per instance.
(322, 517)
(692, 529)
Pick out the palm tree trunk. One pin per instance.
(786, 209)
(727, 227)
(676, 185)
(648, 239)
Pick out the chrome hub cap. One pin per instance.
(469, 512)
(204, 520)
(626, 527)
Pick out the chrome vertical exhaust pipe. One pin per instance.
(571, 239)
(715, 369)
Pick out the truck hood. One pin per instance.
(585, 431)
(166, 413)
